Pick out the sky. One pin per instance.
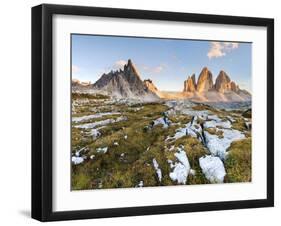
(167, 62)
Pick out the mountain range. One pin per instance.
(127, 83)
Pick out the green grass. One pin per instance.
(239, 161)
(131, 161)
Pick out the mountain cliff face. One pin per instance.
(150, 86)
(224, 84)
(205, 81)
(190, 84)
(222, 90)
(124, 83)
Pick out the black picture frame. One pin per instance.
(42, 111)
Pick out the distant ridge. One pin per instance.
(127, 83)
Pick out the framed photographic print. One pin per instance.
(145, 112)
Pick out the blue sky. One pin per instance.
(167, 62)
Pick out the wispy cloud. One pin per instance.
(219, 49)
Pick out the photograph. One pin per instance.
(152, 111)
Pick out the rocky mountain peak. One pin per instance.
(205, 80)
(130, 69)
(224, 84)
(190, 84)
(125, 83)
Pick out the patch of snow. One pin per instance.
(89, 117)
(116, 143)
(213, 168)
(217, 146)
(181, 169)
(100, 123)
(158, 170)
(125, 137)
(102, 150)
(77, 160)
(122, 154)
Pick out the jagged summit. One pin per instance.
(124, 83)
(224, 89)
(190, 84)
(127, 83)
(205, 80)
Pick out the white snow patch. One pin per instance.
(102, 150)
(158, 170)
(116, 143)
(213, 168)
(77, 160)
(217, 146)
(181, 169)
(125, 137)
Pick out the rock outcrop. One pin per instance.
(224, 84)
(205, 81)
(190, 84)
(150, 86)
(124, 83)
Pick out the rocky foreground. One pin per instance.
(119, 143)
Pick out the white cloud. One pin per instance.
(75, 69)
(219, 49)
(119, 64)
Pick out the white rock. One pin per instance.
(89, 117)
(213, 168)
(160, 121)
(217, 146)
(102, 150)
(157, 169)
(181, 169)
(77, 160)
(100, 123)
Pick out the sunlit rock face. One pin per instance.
(205, 81)
(224, 84)
(190, 84)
